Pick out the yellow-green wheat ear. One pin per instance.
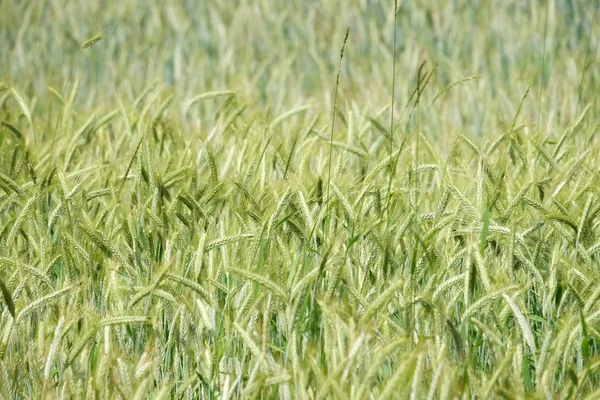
(91, 41)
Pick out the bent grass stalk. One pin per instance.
(335, 92)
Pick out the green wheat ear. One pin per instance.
(91, 41)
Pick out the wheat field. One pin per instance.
(325, 199)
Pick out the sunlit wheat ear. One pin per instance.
(523, 324)
(91, 41)
(54, 346)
